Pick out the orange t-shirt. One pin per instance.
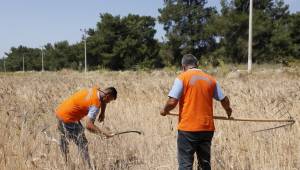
(76, 107)
(196, 102)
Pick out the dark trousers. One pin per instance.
(190, 142)
(74, 132)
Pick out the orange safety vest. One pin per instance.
(196, 102)
(76, 107)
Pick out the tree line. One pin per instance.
(120, 43)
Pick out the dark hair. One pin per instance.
(189, 60)
(112, 91)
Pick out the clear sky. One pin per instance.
(34, 23)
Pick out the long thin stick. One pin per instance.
(244, 120)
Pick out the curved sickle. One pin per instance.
(128, 131)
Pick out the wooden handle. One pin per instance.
(243, 119)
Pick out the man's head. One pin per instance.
(110, 94)
(189, 61)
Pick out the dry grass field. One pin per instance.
(28, 100)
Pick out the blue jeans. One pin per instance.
(190, 142)
(74, 132)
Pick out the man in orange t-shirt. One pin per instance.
(86, 102)
(195, 91)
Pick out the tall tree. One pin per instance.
(125, 43)
(32, 59)
(270, 37)
(186, 23)
(295, 34)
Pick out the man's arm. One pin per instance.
(174, 96)
(170, 105)
(102, 113)
(90, 126)
(218, 95)
(91, 117)
(226, 105)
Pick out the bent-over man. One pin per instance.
(86, 102)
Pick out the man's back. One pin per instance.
(196, 102)
(76, 107)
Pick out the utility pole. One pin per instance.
(42, 59)
(23, 64)
(250, 37)
(84, 39)
(4, 69)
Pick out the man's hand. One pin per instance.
(226, 105)
(101, 118)
(229, 112)
(163, 113)
(171, 104)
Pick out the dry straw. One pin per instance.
(27, 103)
